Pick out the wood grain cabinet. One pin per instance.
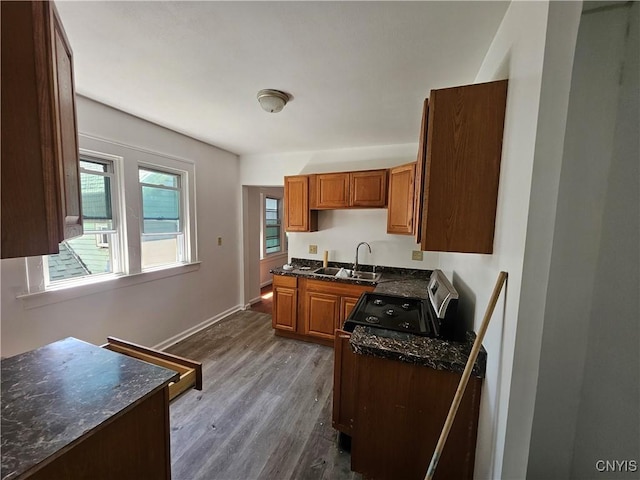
(327, 305)
(311, 310)
(344, 379)
(40, 164)
(459, 167)
(322, 313)
(364, 189)
(368, 189)
(285, 303)
(297, 215)
(401, 199)
(396, 438)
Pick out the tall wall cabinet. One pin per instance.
(40, 167)
(458, 167)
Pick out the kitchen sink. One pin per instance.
(333, 271)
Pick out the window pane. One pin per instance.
(80, 257)
(94, 166)
(158, 178)
(271, 211)
(161, 210)
(161, 250)
(96, 197)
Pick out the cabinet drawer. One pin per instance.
(189, 370)
(285, 281)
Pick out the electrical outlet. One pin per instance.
(219, 241)
(313, 248)
(416, 255)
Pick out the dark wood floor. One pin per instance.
(266, 301)
(264, 411)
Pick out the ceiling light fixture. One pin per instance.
(272, 101)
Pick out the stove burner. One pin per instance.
(406, 326)
(372, 319)
(406, 306)
(391, 312)
(378, 301)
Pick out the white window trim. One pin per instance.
(38, 294)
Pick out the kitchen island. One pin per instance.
(74, 410)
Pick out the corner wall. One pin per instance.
(149, 312)
(586, 406)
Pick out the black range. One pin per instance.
(391, 312)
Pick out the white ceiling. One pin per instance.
(357, 71)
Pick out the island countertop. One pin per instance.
(429, 352)
(56, 395)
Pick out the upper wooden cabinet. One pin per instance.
(40, 167)
(297, 215)
(462, 167)
(364, 189)
(368, 189)
(401, 199)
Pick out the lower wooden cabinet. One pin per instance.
(310, 309)
(344, 370)
(327, 305)
(322, 312)
(134, 445)
(396, 438)
(285, 303)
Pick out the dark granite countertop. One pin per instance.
(425, 351)
(54, 396)
(405, 282)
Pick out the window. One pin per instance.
(273, 239)
(96, 252)
(138, 213)
(162, 226)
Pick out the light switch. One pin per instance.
(219, 241)
(416, 255)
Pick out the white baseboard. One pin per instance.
(201, 326)
(264, 284)
(253, 301)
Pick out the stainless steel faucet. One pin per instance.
(355, 265)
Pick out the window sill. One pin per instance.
(101, 285)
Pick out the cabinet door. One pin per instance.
(421, 167)
(331, 190)
(343, 384)
(460, 194)
(368, 189)
(322, 312)
(401, 199)
(346, 305)
(66, 131)
(40, 181)
(297, 216)
(285, 305)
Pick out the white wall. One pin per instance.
(608, 424)
(149, 312)
(341, 230)
(589, 391)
